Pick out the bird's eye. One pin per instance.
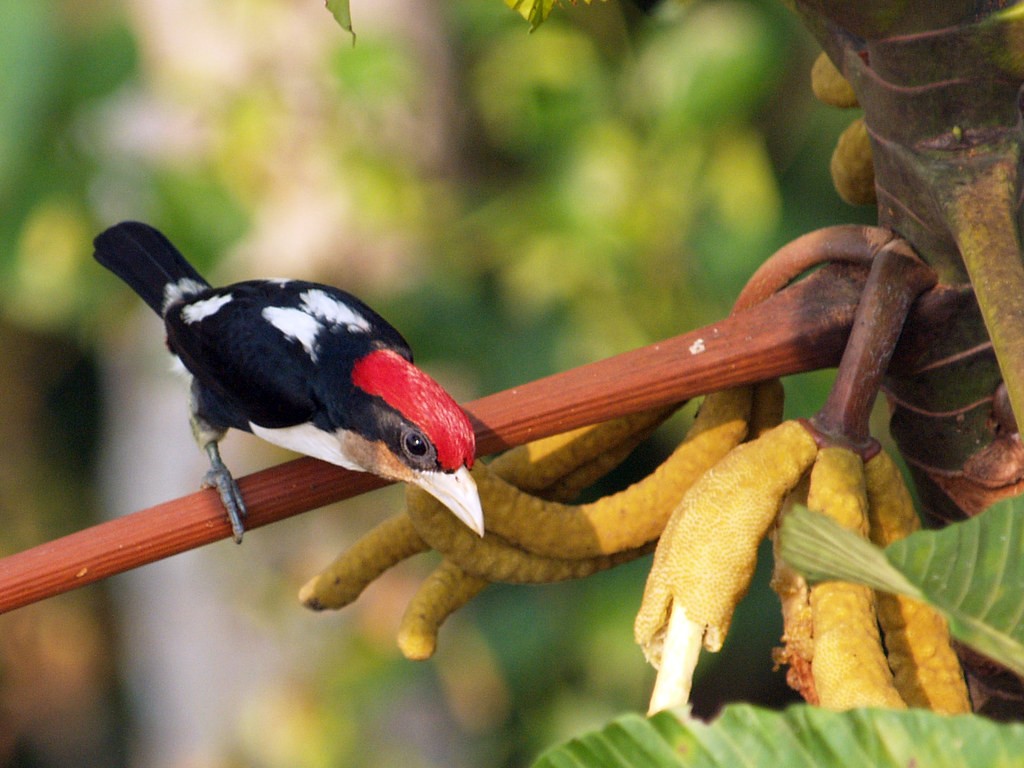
(415, 444)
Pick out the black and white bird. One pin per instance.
(304, 366)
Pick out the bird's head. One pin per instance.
(426, 438)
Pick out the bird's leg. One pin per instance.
(219, 476)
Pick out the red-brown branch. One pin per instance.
(802, 328)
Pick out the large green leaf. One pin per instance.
(971, 571)
(800, 736)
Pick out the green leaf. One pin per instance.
(973, 571)
(342, 14)
(800, 736)
(630, 740)
(821, 549)
(535, 11)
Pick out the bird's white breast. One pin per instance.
(308, 440)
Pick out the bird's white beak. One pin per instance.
(457, 491)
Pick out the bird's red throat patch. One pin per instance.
(421, 400)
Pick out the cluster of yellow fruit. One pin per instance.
(832, 642)
(707, 507)
(533, 536)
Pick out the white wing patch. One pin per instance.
(200, 310)
(181, 289)
(317, 311)
(295, 324)
(325, 307)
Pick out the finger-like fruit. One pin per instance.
(848, 663)
(925, 667)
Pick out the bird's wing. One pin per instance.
(267, 352)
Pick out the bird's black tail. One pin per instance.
(145, 259)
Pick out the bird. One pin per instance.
(302, 365)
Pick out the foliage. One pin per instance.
(342, 13)
(972, 571)
(534, 11)
(801, 735)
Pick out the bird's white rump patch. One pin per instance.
(182, 289)
(295, 324)
(325, 307)
(178, 368)
(200, 310)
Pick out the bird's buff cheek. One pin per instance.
(372, 456)
(378, 459)
(456, 490)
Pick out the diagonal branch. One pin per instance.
(802, 328)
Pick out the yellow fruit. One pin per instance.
(625, 520)
(797, 621)
(853, 171)
(829, 85)
(925, 667)
(848, 663)
(343, 581)
(706, 556)
(560, 466)
(446, 590)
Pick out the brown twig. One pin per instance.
(847, 243)
(802, 328)
(896, 279)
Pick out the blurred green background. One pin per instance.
(515, 203)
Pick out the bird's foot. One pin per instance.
(219, 477)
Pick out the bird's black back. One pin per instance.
(246, 369)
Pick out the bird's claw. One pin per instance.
(219, 477)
